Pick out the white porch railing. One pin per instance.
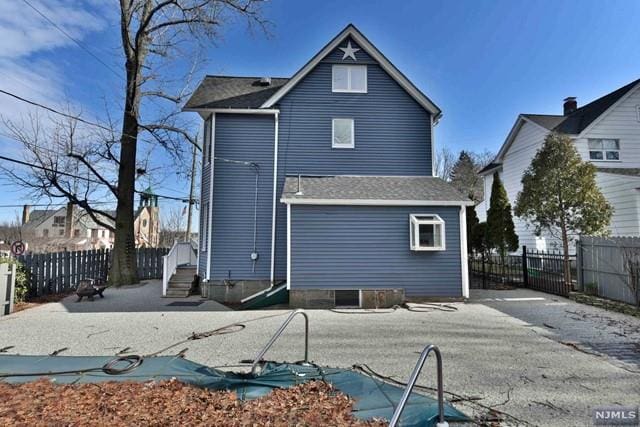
(181, 253)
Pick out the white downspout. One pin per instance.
(210, 214)
(464, 267)
(273, 210)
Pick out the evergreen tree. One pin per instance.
(472, 229)
(559, 195)
(500, 232)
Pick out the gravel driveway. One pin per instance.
(541, 360)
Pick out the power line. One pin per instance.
(20, 162)
(73, 39)
(53, 110)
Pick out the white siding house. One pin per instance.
(606, 132)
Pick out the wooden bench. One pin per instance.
(90, 288)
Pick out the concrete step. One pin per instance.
(173, 285)
(177, 293)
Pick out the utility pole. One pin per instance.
(187, 234)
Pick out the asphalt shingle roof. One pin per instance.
(577, 121)
(397, 188)
(233, 92)
(548, 121)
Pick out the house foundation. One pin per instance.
(326, 298)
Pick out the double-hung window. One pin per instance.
(426, 232)
(604, 149)
(349, 78)
(342, 133)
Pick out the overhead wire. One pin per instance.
(20, 162)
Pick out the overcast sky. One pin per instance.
(482, 62)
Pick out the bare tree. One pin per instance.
(87, 167)
(154, 31)
(10, 231)
(445, 160)
(67, 162)
(172, 227)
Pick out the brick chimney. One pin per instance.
(570, 105)
(26, 211)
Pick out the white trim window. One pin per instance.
(604, 150)
(349, 78)
(426, 232)
(342, 133)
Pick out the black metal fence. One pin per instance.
(60, 272)
(542, 271)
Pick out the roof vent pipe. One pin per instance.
(299, 192)
(570, 105)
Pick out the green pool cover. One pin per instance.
(374, 398)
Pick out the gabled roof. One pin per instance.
(491, 166)
(232, 92)
(578, 121)
(364, 43)
(38, 216)
(247, 93)
(548, 121)
(371, 190)
(571, 124)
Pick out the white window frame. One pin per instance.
(603, 150)
(415, 220)
(349, 67)
(333, 133)
(638, 112)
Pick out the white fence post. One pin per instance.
(7, 288)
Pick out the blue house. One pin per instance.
(324, 184)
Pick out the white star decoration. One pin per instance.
(349, 51)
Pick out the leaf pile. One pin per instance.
(165, 403)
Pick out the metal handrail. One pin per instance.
(412, 382)
(275, 336)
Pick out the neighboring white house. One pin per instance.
(606, 132)
(48, 230)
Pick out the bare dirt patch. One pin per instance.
(166, 403)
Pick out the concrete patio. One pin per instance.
(524, 353)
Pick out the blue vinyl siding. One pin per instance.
(367, 247)
(246, 138)
(392, 132)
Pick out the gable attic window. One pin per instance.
(604, 149)
(342, 133)
(349, 78)
(426, 232)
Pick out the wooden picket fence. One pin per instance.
(60, 272)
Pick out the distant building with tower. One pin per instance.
(147, 222)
